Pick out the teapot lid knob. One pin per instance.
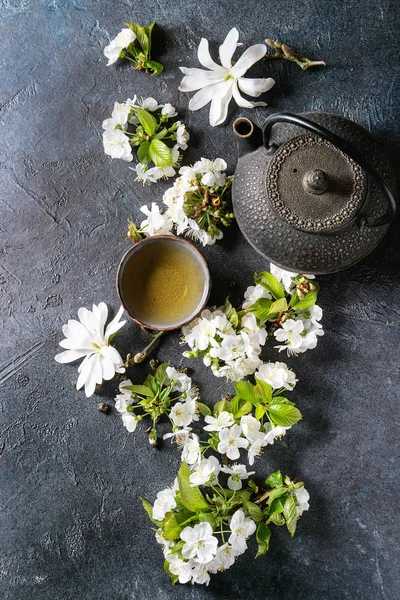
(315, 181)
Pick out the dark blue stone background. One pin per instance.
(72, 526)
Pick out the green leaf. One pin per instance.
(171, 527)
(277, 506)
(143, 153)
(244, 410)
(141, 36)
(276, 493)
(233, 405)
(150, 382)
(263, 390)
(308, 301)
(160, 154)
(149, 510)
(260, 412)
(274, 480)
(231, 313)
(254, 511)
(294, 300)
(148, 29)
(263, 535)
(219, 407)
(277, 518)
(245, 390)
(207, 517)
(164, 394)
(277, 307)
(142, 390)
(161, 134)
(289, 512)
(154, 66)
(284, 414)
(203, 408)
(147, 121)
(260, 308)
(191, 497)
(271, 283)
(161, 373)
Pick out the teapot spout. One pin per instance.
(249, 136)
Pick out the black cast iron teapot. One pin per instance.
(312, 193)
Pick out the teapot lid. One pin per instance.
(313, 185)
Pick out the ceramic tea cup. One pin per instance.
(163, 282)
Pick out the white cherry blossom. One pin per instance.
(212, 171)
(168, 110)
(122, 41)
(277, 375)
(183, 413)
(200, 544)
(275, 432)
(302, 498)
(217, 83)
(251, 427)
(230, 441)
(254, 293)
(200, 573)
(237, 474)
(181, 381)
(242, 528)
(182, 568)
(164, 503)
(256, 447)
(156, 222)
(191, 452)
(224, 419)
(182, 136)
(205, 472)
(116, 144)
(88, 339)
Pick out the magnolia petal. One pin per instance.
(193, 82)
(101, 314)
(69, 356)
(70, 344)
(220, 104)
(255, 87)
(107, 368)
(247, 60)
(115, 325)
(240, 101)
(84, 370)
(227, 49)
(203, 96)
(203, 54)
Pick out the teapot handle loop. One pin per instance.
(351, 151)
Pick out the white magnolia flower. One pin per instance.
(191, 449)
(87, 339)
(286, 277)
(200, 573)
(237, 474)
(218, 83)
(164, 503)
(156, 223)
(230, 441)
(275, 432)
(224, 419)
(122, 41)
(302, 498)
(181, 381)
(200, 544)
(182, 136)
(242, 528)
(277, 375)
(251, 427)
(254, 293)
(205, 472)
(182, 568)
(211, 170)
(169, 110)
(116, 144)
(183, 413)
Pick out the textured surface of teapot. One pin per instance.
(312, 193)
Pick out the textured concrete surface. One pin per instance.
(71, 523)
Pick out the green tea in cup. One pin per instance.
(163, 282)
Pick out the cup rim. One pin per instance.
(207, 280)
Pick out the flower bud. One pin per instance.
(153, 437)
